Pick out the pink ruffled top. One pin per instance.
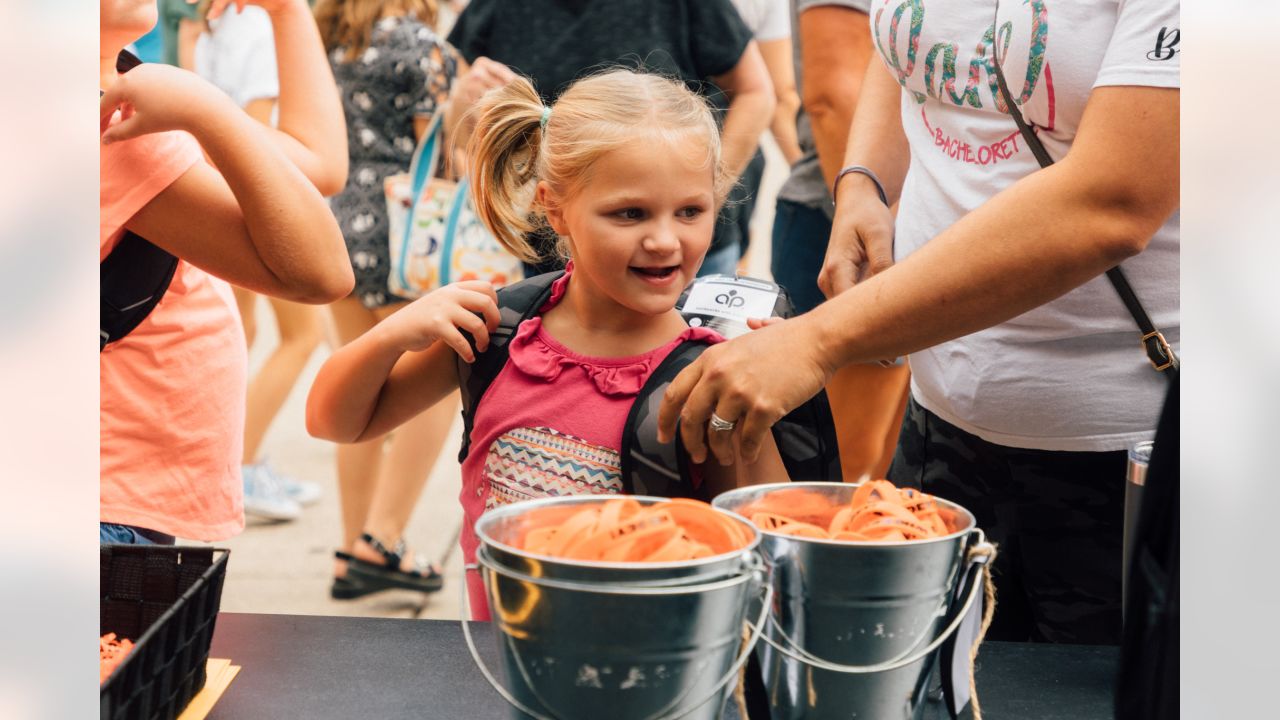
(551, 424)
(541, 356)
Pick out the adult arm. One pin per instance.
(835, 47)
(751, 105)
(777, 58)
(473, 82)
(861, 242)
(401, 367)
(1046, 234)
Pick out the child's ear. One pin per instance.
(546, 199)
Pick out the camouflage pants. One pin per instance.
(1057, 518)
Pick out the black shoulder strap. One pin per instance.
(806, 438)
(1158, 351)
(134, 275)
(516, 303)
(648, 466)
(132, 279)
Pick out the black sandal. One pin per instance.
(347, 587)
(388, 574)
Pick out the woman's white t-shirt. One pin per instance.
(767, 19)
(238, 55)
(1070, 375)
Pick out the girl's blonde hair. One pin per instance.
(349, 23)
(511, 148)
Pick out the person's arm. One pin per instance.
(189, 31)
(835, 47)
(401, 367)
(777, 58)
(861, 243)
(750, 95)
(473, 82)
(260, 109)
(256, 221)
(1046, 234)
(767, 468)
(310, 126)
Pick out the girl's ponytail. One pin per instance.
(502, 160)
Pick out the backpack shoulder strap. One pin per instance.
(806, 438)
(132, 279)
(134, 275)
(648, 466)
(516, 303)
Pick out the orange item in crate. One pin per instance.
(111, 652)
(878, 511)
(623, 530)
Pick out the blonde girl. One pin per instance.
(626, 169)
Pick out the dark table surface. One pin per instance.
(305, 666)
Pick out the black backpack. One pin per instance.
(134, 275)
(806, 437)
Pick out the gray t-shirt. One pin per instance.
(806, 185)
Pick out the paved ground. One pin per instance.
(286, 567)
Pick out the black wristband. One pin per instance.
(861, 170)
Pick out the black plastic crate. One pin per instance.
(165, 599)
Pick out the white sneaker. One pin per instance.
(302, 492)
(264, 497)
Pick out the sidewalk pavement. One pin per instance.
(287, 567)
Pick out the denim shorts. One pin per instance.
(116, 534)
(720, 261)
(800, 235)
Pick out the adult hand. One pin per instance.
(861, 242)
(752, 381)
(483, 76)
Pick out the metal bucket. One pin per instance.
(854, 627)
(635, 641)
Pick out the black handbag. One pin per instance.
(1161, 355)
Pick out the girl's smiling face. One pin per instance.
(640, 223)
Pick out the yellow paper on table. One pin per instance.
(218, 676)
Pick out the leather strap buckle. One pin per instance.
(1159, 354)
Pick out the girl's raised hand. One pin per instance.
(443, 314)
(156, 98)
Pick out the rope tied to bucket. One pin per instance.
(984, 553)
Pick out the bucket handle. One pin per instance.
(514, 702)
(980, 553)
